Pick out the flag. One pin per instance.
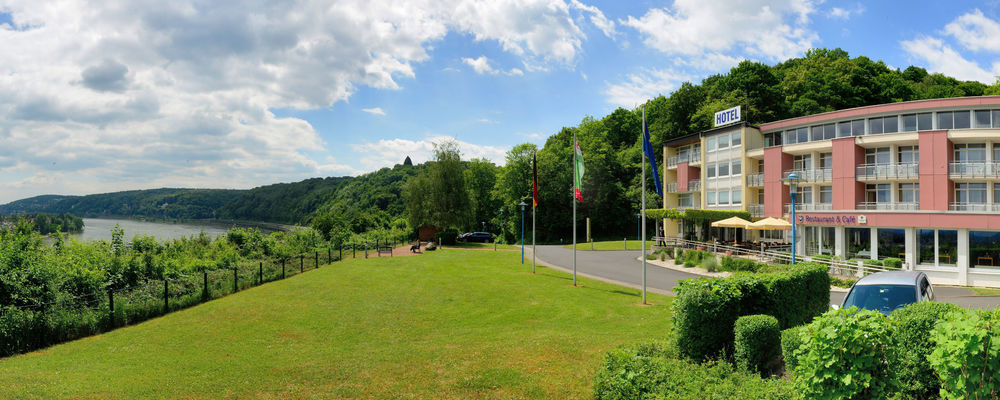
(534, 182)
(579, 172)
(648, 149)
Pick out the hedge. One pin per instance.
(791, 341)
(756, 343)
(911, 341)
(892, 262)
(740, 264)
(966, 354)
(706, 309)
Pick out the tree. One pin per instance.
(514, 184)
(440, 197)
(407, 162)
(481, 177)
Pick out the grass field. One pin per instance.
(486, 246)
(612, 245)
(447, 324)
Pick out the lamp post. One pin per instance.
(638, 226)
(484, 226)
(792, 180)
(523, 204)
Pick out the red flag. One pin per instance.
(534, 181)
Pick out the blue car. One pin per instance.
(887, 291)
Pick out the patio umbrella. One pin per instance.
(731, 222)
(772, 224)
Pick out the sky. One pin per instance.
(106, 96)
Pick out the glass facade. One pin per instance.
(984, 249)
(859, 242)
(891, 242)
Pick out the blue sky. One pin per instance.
(116, 96)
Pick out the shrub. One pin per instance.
(756, 343)
(844, 283)
(679, 260)
(966, 354)
(911, 343)
(704, 312)
(845, 355)
(654, 371)
(709, 263)
(689, 264)
(873, 263)
(791, 341)
(822, 257)
(892, 262)
(447, 236)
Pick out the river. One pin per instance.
(100, 228)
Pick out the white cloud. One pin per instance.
(940, 57)
(639, 88)
(374, 111)
(975, 32)
(597, 18)
(99, 95)
(482, 66)
(387, 152)
(845, 14)
(762, 28)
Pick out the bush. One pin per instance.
(822, 257)
(845, 355)
(873, 263)
(892, 262)
(709, 264)
(911, 342)
(447, 237)
(678, 260)
(654, 371)
(689, 264)
(843, 283)
(756, 343)
(791, 341)
(966, 354)
(705, 309)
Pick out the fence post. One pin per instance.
(282, 268)
(260, 281)
(354, 251)
(625, 240)
(204, 287)
(366, 250)
(236, 280)
(329, 256)
(301, 269)
(166, 297)
(317, 259)
(111, 305)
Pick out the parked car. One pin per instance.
(887, 291)
(482, 237)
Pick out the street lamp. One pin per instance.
(523, 204)
(638, 226)
(484, 226)
(792, 180)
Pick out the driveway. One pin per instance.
(623, 267)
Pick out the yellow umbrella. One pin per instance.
(773, 224)
(731, 222)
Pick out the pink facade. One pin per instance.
(936, 190)
(686, 173)
(847, 191)
(775, 192)
(901, 220)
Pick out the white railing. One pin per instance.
(871, 172)
(670, 187)
(975, 207)
(694, 185)
(976, 169)
(688, 158)
(888, 206)
(808, 207)
(811, 175)
(755, 180)
(756, 210)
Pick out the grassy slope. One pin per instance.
(448, 324)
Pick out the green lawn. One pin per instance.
(446, 324)
(613, 245)
(985, 291)
(485, 246)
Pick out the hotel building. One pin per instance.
(918, 180)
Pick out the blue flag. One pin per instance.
(648, 149)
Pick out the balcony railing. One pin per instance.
(811, 175)
(808, 207)
(870, 172)
(755, 180)
(977, 169)
(670, 187)
(756, 210)
(688, 158)
(694, 185)
(885, 206)
(974, 207)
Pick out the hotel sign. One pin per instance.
(833, 219)
(726, 117)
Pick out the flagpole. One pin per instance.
(573, 196)
(533, 239)
(643, 207)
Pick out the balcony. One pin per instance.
(886, 206)
(688, 158)
(811, 175)
(756, 210)
(977, 169)
(808, 207)
(876, 172)
(670, 187)
(694, 185)
(974, 207)
(755, 180)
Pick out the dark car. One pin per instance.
(887, 291)
(481, 237)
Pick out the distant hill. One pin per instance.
(153, 203)
(33, 204)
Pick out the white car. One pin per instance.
(887, 291)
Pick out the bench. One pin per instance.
(416, 248)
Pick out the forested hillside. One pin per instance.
(155, 203)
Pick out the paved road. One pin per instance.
(623, 267)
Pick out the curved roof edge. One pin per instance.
(883, 108)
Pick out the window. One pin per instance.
(984, 248)
(772, 139)
(826, 194)
(945, 120)
(737, 139)
(877, 156)
(875, 125)
(737, 168)
(909, 123)
(996, 153)
(760, 166)
(684, 200)
(859, 243)
(802, 162)
(908, 155)
(890, 124)
(790, 137)
(682, 153)
(710, 143)
(877, 193)
(805, 195)
(723, 197)
(924, 121)
(953, 120)
(710, 172)
(996, 193)
(844, 129)
(723, 169)
(803, 134)
(858, 127)
(711, 197)
(996, 118)
(925, 254)
(909, 193)
(760, 196)
(982, 119)
(970, 193)
(723, 141)
(970, 152)
(891, 242)
(824, 132)
(962, 120)
(737, 196)
(826, 160)
(947, 247)
(817, 132)
(696, 150)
